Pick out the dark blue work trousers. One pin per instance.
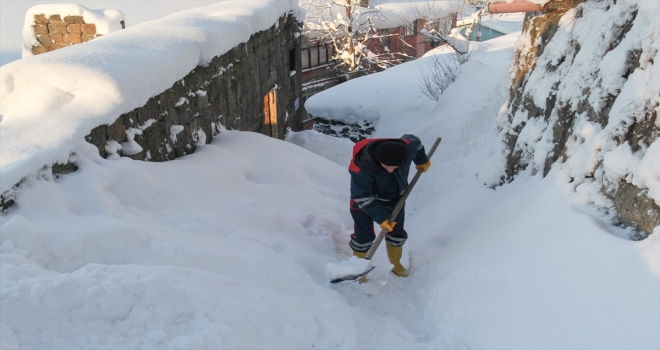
(363, 228)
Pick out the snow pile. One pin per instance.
(335, 149)
(106, 21)
(225, 248)
(48, 103)
(601, 68)
(343, 268)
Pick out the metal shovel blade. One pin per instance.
(352, 277)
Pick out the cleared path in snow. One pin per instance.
(527, 265)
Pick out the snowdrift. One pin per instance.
(585, 96)
(48, 103)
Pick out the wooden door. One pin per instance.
(270, 113)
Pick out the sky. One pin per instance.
(230, 247)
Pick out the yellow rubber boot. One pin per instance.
(394, 253)
(361, 255)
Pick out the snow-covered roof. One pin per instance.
(383, 13)
(49, 102)
(398, 13)
(106, 21)
(505, 23)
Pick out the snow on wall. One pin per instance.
(54, 18)
(48, 103)
(591, 100)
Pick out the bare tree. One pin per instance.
(435, 78)
(438, 24)
(348, 27)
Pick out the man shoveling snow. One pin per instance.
(379, 177)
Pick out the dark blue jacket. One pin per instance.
(372, 187)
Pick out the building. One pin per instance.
(402, 35)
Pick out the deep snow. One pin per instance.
(82, 86)
(228, 247)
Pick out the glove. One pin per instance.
(424, 167)
(387, 225)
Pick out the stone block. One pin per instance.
(87, 37)
(40, 29)
(88, 28)
(73, 20)
(56, 19)
(73, 28)
(116, 131)
(41, 19)
(36, 50)
(72, 38)
(44, 39)
(57, 28)
(98, 35)
(53, 47)
(56, 38)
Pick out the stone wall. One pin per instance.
(54, 32)
(228, 93)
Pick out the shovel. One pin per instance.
(383, 232)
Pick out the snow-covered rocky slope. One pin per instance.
(585, 96)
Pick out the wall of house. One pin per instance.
(414, 46)
(228, 93)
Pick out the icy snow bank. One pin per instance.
(590, 105)
(50, 102)
(106, 21)
(223, 249)
(338, 150)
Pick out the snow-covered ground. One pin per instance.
(527, 265)
(228, 247)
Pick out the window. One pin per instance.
(305, 58)
(314, 54)
(385, 38)
(292, 59)
(304, 54)
(323, 54)
(444, 25)
(411, 29)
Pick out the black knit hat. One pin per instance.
(391, 153)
